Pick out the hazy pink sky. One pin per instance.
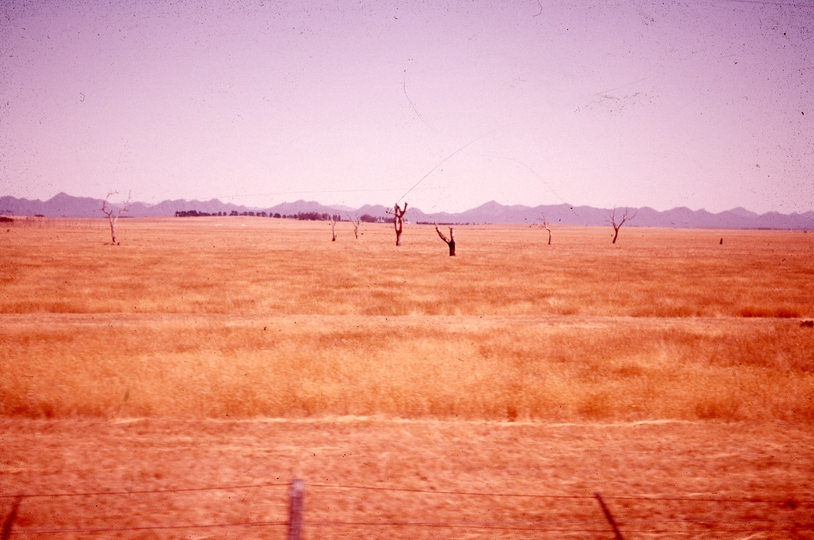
(447, 105)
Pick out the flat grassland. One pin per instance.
(237, 350)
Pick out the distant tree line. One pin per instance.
(446, 223)
(303, 216)
(316, 216)
(367, 218)
(195, 213)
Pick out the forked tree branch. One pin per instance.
(357, 221)
(334, 221)
(449, 241)
(546, 227)
(113, 214)
(398, 220)
(626, 216)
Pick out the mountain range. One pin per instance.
(64, 205)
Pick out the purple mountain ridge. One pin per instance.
(64, 205)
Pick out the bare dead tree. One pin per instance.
(356, 223)
(450, 241)
(334, 221)
(113, 214)
(626, 216)
(546, 227)
(398, 220)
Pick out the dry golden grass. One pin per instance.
(661, 480)
(251, 317)
(446, 367)
(669, 371)
(263, 266)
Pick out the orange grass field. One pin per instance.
(237, 350)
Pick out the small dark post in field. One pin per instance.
(450, 241)
(296, 494)
(608, 515)
(9, 522)
(626, 216)
(113, 215)
(398, 220)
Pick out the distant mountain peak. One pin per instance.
(64, 205)
(743, 212)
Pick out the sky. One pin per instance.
(445, 105)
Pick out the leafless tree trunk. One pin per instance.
(356, 222)
(398, 220)
(546, 227)
(450, 241)
(626, 216)
(334, 221)
(113, 215)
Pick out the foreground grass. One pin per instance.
(232, 317)
(426, 479)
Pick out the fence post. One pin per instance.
(608, 515)
(296, 494)
(9, 522)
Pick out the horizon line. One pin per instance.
(344, 206)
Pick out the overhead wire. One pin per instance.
(439, 163)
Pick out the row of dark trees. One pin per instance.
(195, 213)
(303, 216)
